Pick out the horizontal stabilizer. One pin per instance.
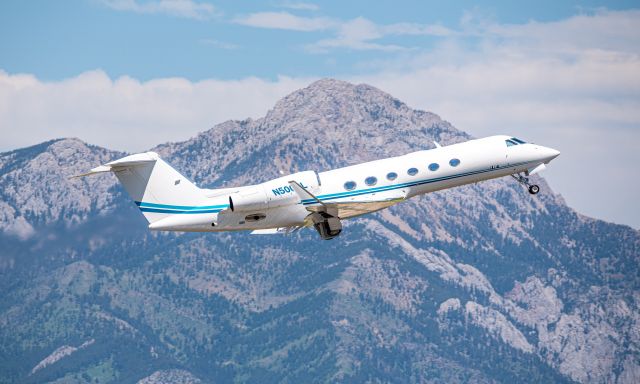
(125, 162)
(93, 171)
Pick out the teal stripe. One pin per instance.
(158, 210)
(333, 196)
(180, 209)
(143, 204)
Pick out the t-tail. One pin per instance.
(157, 189)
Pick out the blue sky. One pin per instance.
(55, 40)
(129, 74)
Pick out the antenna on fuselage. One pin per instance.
(437, 144)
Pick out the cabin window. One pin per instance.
(510, 143)
(412, 171)
(518, 140)
(454, 162)
(434, 167)
(371, 180)
(392, 175)
(350, 185)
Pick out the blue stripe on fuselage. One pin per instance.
(333, 196)
(157, 210)
(177, 209)
(181, 209)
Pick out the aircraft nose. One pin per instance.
(549, 153)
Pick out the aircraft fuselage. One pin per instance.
(357, 189)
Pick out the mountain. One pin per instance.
(483, 283)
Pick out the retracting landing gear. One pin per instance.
(533, 188)
(328, 226)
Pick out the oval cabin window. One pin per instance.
(350, 185)
(392, 176)
(454, 162)
(433, 167)
(370, 180)
(412, 171)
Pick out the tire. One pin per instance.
(534, 189)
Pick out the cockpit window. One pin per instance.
(510, 143)
(518, 140)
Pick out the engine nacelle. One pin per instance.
(250, 199)
(273, 193)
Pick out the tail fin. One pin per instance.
(157, 188)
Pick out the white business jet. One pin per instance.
(170, 202)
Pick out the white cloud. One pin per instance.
(300, 6)
(572, 84)
(286, 21)
(606, 30)
(125, 113)
(355, 34)
(416, 29)
(179, 8)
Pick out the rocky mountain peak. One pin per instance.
(330, 123)
(357, 109)
(332, 91)
(474, 284)
(35, 184)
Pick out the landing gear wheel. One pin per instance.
(533, 189)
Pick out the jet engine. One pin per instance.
(272, 194)
(253, 199)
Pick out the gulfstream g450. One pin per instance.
(322, 200)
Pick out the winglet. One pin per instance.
(303, 193)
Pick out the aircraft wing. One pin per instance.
(357, 208)
(350, 206)
(274, 231)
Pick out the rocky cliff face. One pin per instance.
(482, 283)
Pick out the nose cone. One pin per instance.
(548, 154)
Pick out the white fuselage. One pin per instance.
(274, 204)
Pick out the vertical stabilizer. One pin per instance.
(156, 187)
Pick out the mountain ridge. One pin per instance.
(481, 283)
